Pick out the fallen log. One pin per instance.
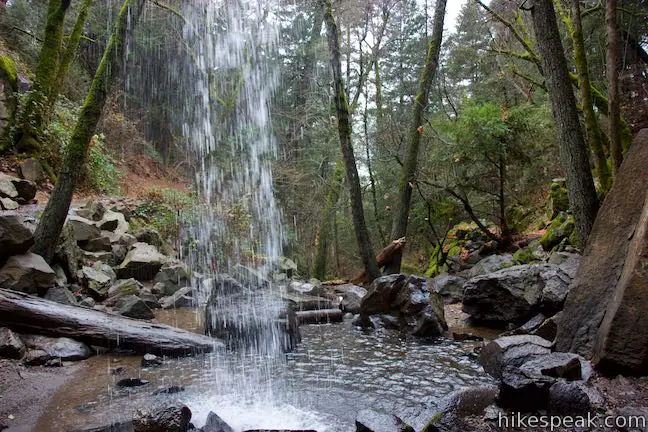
(27, 314)
(383, 259)
(322, 316)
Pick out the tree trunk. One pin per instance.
(384, 258)
(30, 121)
(328, 214)
(614, 116)
(55, 213)
(27, 314)
(344, 129)
(592, 126)
(70, 53)
(574, 154)
(408, 175)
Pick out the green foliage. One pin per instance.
(100, 168)
(562, 227)
(161, 209)
(8, 70)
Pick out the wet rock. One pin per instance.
(172, 277)
(28, 273)
(169, 390)
(65, 349)
(150, 236)
(287, 266)
(222, 284)
(373, 421)
(150, 360)
(124, 287)
(117, 426)
(249, 277)
(351, 297)
(301, 287)
(455, 408)
(133, 307)
(82, 229)
(449, 286)
(31, 169)
(408, 300)
(10, 344)
(490, 264)
(512, 351)
(216, 424)
(143, 262)
(36, 357)
(149, 299)
(305, 302)
(131, 382)
(96, 282)
(573, 398)
(61, 294)
(15, 236)
(88, 302)
(515, 294)
(181, 298)
(172, 417)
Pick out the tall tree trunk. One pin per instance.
(70, 52)
(344, 129)
(55, 213)
(592, 126)
(574, 154)
(614, 118)
(30, 120)
(330, 208)
(372, 180)
(408, 175)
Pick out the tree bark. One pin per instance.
(408, 175)
(614, 110)
(70, 53)
(592, 126)
(55, 213)
(344, 129)
(27, 314)
(384, 258)
(30, 122)
(574, 154)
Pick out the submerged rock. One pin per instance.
(373, 421)
(216, 424)
(172, 417)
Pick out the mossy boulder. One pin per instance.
(8, 102)
(532, 253)
(558, 197)
(8, 72)
(562, 227)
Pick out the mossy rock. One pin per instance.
(8, 71)
(532, 253)
(559, 198)
(560, 228)
(28, 145)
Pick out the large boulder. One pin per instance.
(32, 170)
(82, 229)
(406, 303)
(20, 190)
(604, 317)
(96, 281)
(252, 317)
(114, 222)
(450, 287)
(457, 410)
(490, 264)
(15, 237)
(150, 236)
(512, 351)
(515, 294)
(61, 294)
(171, 277)
(143, 262)
(373, 421)
(27, 273)
(351, 296)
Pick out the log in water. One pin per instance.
(27, 314)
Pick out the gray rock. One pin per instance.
(82, 229)
(98, 244)
(114, 222)
(124, 287)
(216, 424)
(7, 188)
(222, 284)
(61, 294)
(373, 421)
(64, 349)
(491, 264)
(27, 273)
(150, 236)
(143, 262)
(351, 296)
(449, 286)
(95, 282)
(173, 276)
(31, 169)
(151, 360)
(181, 298)
(455, 408)
(249, 277)
(172, 417)
(68, 254)
(573, 398)
(305, 302)
(149, 299)
(88, 302)
(26, 189)
(515, 294)
(10, 344)
(512, 351)
(15, 236)
(36, 357)
(134, 307)
(8, 204)
(408, 301)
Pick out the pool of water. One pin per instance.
(336, 371)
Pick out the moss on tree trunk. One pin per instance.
(55, 213)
